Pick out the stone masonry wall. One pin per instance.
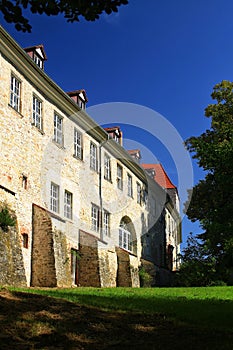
(89, 261)
(43, 272)
(107, 267)
(12, 270)
(62, 260)
(123, 272)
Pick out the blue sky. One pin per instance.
(162, 54)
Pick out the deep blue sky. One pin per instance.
(163, 54)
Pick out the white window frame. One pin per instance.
(78, 149)
(139, 190)
(68, 205)
(119, 177)
(58, 129)
(37, 112)
(95, 218)
(54, 197)
(125, 239)
(106, 223)
(81, 103)
(38, 61)
(107, 167)
(93, 156)
(130, 185)
(15, 93)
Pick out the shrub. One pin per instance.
(7, 218)
(145, 278)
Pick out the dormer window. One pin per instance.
(115, 133)
(38, 61)
(81, 103)
(79, 97)
(37, 53)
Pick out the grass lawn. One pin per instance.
(118, 318)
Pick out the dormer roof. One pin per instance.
(78, 93)
(39, 49)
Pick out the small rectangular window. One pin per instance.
(139, 193)
(78, 152)
(54, 197)
(24, 182)
(25, 240)
(93, 156)
(37, 113)
(130, 185)
(95, 218)
(58, 129)
(106, 223)
(107, 167)
(15, 93)
(68, 199)
(119, 177)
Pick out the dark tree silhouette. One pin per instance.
(72, 10)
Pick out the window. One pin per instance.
(130, 185)
(119, 177)
(24, 182)
(37, 113)
(95, 217)
(138, 193)
(54, 198)
(81, 103)
(78, 152)
(58, 129)
(15, 93)
(106, 225)
(93, 156)
(38, 61)
(125, 240)
(107, 167)
(25, 240)
(68, 205)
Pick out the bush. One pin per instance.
(145, 278)
(7, 218)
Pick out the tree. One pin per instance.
(212, 198)
(71, 9)
(198, 267)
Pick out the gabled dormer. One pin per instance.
(79, 97)
(37, 53)
(135, 154)
(115, 133)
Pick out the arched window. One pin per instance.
(127, 235)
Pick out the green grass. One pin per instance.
(209, 308)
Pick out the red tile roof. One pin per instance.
(133, 151)
(160, 176)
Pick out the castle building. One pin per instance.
(83, 204)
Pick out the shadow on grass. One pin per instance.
(29, 321)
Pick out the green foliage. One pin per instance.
(7, 218)
(198, 267)
(71, 9)
(212, 198)
(145, 278)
